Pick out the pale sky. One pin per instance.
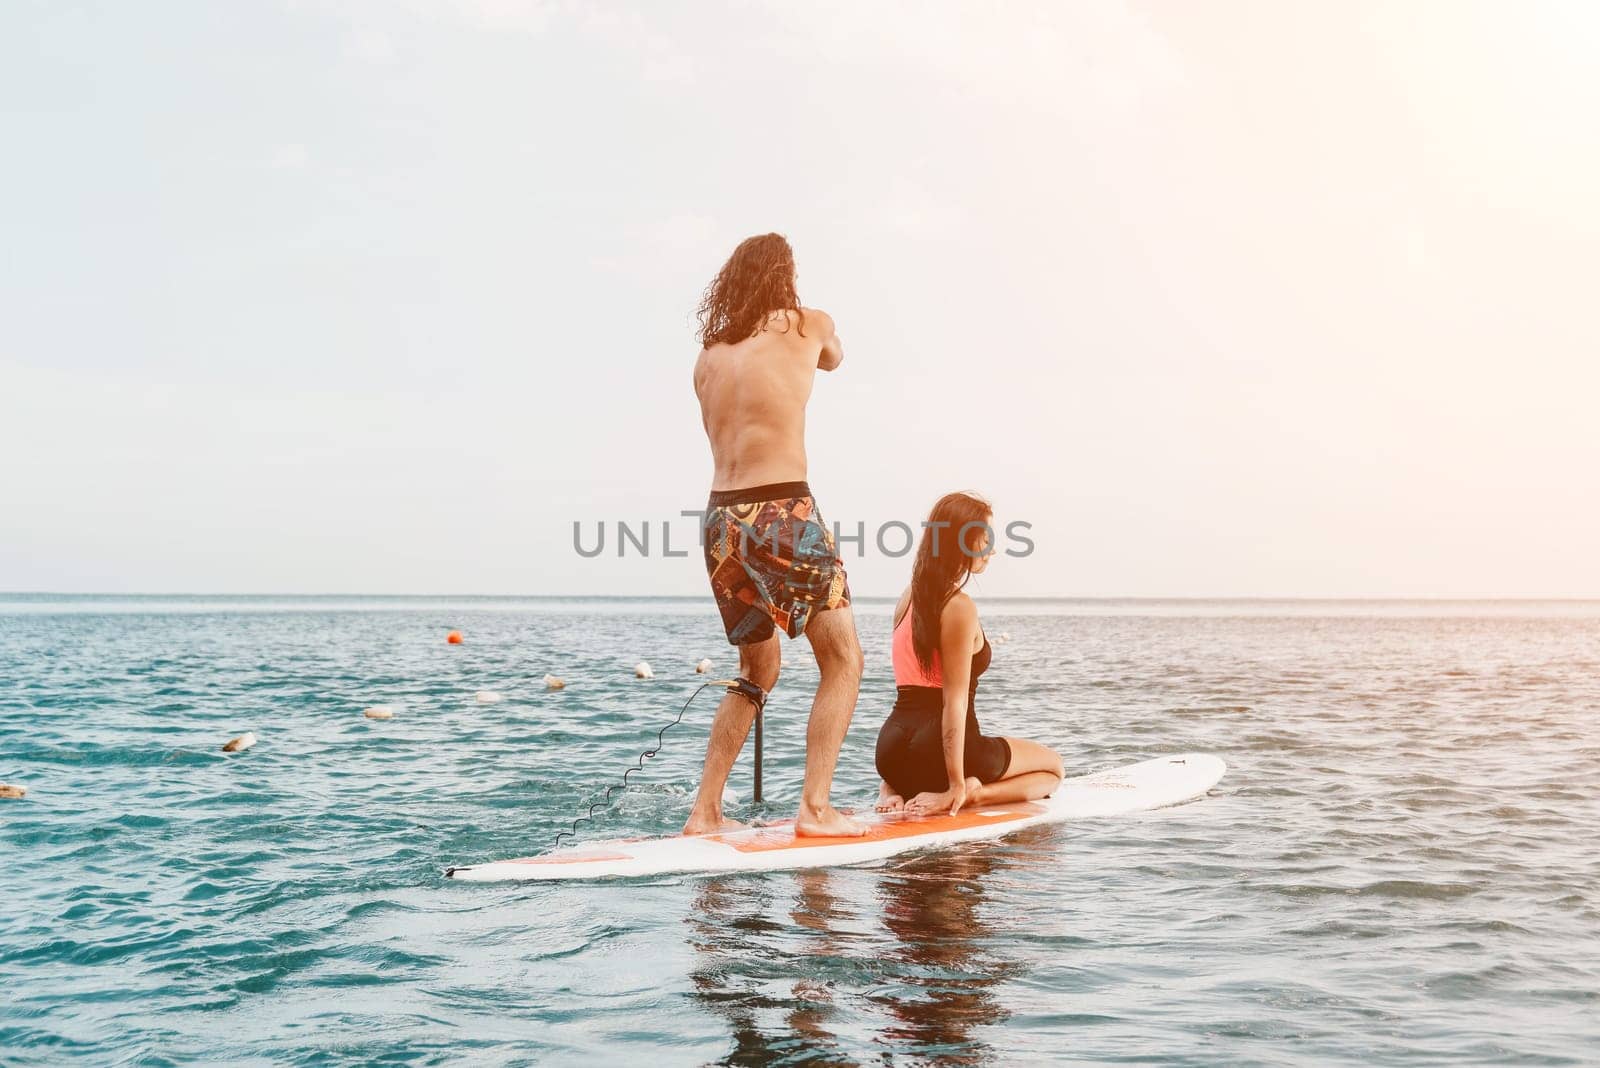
(1225, 299)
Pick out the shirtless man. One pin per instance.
(771, 558)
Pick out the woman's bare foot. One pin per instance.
(946, 802)
(828, 822)
(891, 803)
(712, 823)
(975, 792)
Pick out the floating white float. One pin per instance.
(554, 682)
(487, 697)
(12, 791)
(379, 712)
(641, 670)
(241, 743)
(703, 667)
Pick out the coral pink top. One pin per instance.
(903, 653)
(908, 672)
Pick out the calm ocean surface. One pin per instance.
(1401, 867)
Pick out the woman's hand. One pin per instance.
(950, 801)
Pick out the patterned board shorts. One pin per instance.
(772, 561)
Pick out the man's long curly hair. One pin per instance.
(757, 280)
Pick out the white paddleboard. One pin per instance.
(1157, 783)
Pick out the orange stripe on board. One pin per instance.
(769, 838)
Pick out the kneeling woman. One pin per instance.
(932, 755)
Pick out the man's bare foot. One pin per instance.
(715, 823)
(826, 823)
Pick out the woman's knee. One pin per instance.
(1027, 756)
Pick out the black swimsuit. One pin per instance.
(910, 754)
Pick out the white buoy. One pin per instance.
(379, 712)
(15, 793)
(641, 670)
(486, 697)
(241, 743)
(1005, 636)
(554, 682)
(703, 667)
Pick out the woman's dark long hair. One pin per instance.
(757, 280)
(943, 565)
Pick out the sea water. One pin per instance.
(1400, 867)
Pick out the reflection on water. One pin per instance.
(726, 920)
(772, 981)
(945, 964)
(821, 918)
(918, 962)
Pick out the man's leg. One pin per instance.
(832, 634)
(759, 663)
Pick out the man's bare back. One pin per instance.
(753, 398)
